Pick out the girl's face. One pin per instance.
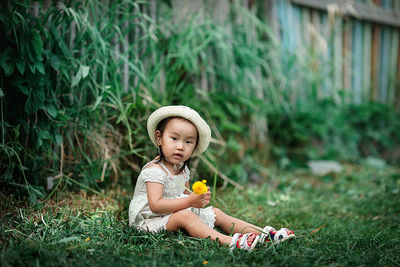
(178, 140)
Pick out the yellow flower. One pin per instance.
(200, 187)
(87, 239)
(205, 262)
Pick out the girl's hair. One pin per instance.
(161, 127)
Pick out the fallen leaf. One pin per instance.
(317, 229)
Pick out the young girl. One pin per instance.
(161, 200)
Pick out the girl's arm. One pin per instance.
(161, 205)
(187, 192)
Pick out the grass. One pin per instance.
(350, 218)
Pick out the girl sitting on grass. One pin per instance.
(162, 200)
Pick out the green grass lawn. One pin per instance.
(352, 218)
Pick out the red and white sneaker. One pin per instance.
(240, 241)
(270, 234)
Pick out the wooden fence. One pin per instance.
(357, 41)
(360, 39)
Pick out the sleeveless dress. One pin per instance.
(140, 214)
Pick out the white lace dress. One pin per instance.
(140, 215)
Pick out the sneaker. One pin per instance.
(270, 234)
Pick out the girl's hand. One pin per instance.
(206, 196)
(199, 201)
(208, 193)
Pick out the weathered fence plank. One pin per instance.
(357, 61)
(397, 84)
(384, 58)
(367, 40)
(347, 58)
(337, 55)
(392, 69)
(375, 62)
(306, 27)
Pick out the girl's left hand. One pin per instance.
(208, 194)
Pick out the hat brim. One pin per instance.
(187, 113)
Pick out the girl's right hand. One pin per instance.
(199, 201)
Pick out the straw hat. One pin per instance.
(187, 113)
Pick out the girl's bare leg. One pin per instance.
(228, 223)
(189, 221)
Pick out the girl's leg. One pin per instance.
(228, 223)
(189, 221)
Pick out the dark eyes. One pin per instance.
(175, 139)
